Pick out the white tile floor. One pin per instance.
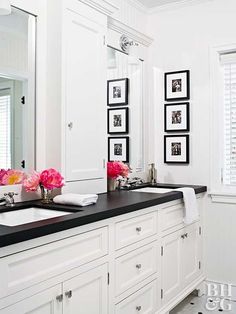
(196, 305)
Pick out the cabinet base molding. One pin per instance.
(181, 296)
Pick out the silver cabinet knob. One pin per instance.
(138, 229)
(183, 236)
(186, 235)
(59, 297)
(138, 266)
(68, 294)
(70, 125)
(138, 308)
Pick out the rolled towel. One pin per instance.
(76, 199)
(191, 208)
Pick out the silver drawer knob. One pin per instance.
(59, 297)
(138, 229)
(68, 294)
(138, 266)
(138, 308)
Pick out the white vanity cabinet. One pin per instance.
(139, 262)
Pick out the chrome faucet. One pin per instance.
(8, 199)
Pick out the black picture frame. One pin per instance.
(177, 85)
(183, 157)
(118, 92)
(182, 124)
(124, 140)
(122, 118)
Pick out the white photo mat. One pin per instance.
(118, 149)
(176, 149)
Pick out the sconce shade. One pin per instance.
(5, 7)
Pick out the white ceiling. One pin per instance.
(155, 3)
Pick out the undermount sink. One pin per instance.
(27, 215)
(154, 190)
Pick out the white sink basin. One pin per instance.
(24, 216)
(153, 190)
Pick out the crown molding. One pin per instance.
(138, 5)
(103, 6)
(175, 5)
(130, 32)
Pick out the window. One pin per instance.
(228, 64)
(5, 129)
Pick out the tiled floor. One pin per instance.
(196, 305)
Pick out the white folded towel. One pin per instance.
(190, 201)
(76, 199)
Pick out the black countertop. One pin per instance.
(108, 205)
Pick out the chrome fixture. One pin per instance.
(5, 7)
(8, 199)
(126, 43)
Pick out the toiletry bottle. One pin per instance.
(152, 174)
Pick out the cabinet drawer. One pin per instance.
(24, 269)
(135, 229)
(172, 216)
(135, 266)
(143, 301)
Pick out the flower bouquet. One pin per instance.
(116, 169)
(11, 176)
(47, 180)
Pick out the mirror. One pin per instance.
(17, 91)
(122, 65)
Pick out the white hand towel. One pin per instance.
(190, 201)
(76, 199)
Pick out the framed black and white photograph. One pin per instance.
(176, 149)
(177, 85)
(118, 121)
(117, 92)
(118, 149)
(176, 117)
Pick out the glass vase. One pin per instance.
(46, 195)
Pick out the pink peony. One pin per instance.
(51, 179)
(125, 170)
(116, 169)
(2, 174)
(12, 177)
(31, 183)
(113, 170)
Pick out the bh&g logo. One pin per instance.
(219, 297)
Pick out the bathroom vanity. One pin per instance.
(129, 253)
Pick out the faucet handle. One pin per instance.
(10, 194)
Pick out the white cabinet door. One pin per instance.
(171, 265)
(87, 293)
(42, 303)
(84, 98)
(190, 254)
(180, 260)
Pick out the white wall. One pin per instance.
(183, 38)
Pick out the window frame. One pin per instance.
(219, 192)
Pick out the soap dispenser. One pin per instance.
(152, 174)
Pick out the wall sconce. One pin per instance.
(126, 43)
(5, 7)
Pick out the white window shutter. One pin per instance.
(228, 62)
